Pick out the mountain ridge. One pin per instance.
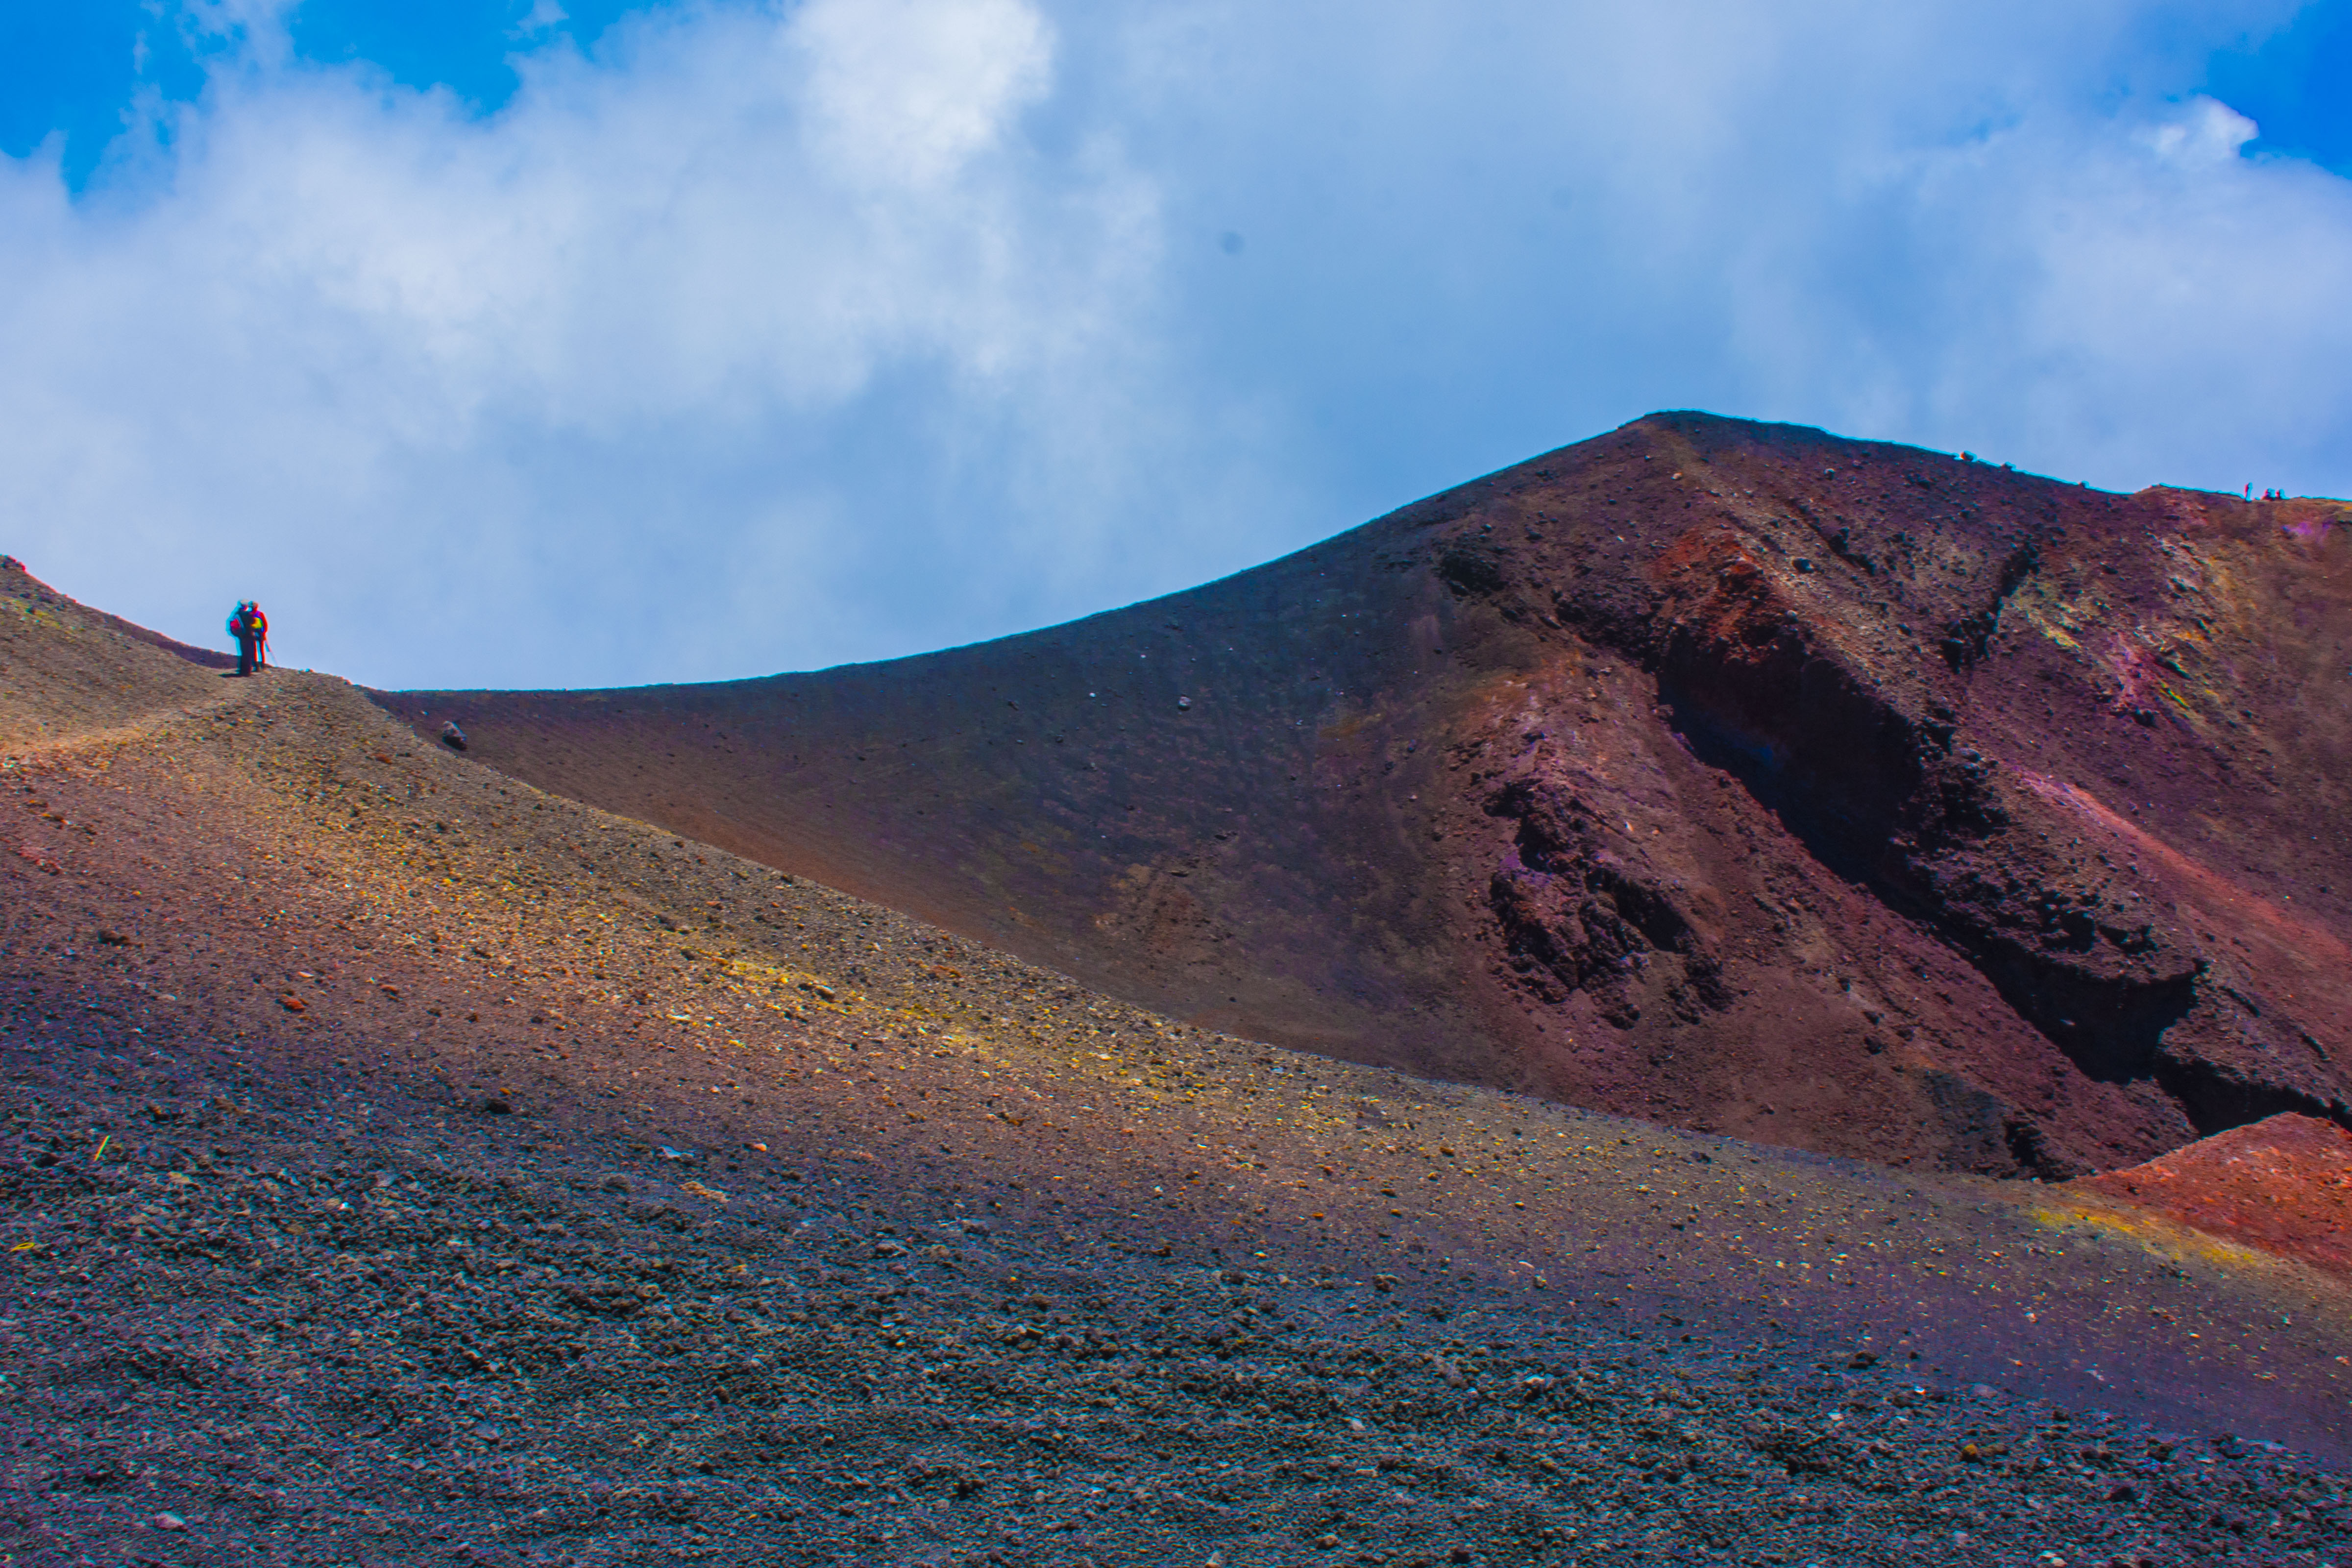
(1742, 777)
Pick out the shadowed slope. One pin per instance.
(1819, 791)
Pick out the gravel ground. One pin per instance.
(399, 1166)
(251, 1335)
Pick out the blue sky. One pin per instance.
(504, 342)
(74, 70)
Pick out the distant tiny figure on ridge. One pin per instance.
(250, 628)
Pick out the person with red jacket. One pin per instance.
(250, 628)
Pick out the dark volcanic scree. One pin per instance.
(1815, 792)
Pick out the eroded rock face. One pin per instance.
(1577, 917)
(1895, 698)
(1817, 792)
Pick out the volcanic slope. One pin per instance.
(1738, 777)
(399, 1164)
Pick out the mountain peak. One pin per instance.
(1741, 776)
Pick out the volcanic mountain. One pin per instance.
(401, 1164)
(1737, 776)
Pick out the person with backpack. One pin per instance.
(250, 628)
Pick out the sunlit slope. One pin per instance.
(1825, 793)
(68, 670)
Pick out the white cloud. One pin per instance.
(904, 93)
(2203, 135)
(773, 335)
(510, 397)
(544, 15)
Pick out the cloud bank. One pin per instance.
(768, 336)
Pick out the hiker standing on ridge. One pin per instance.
(250, 628)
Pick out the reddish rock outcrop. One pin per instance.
(1819, 791)
(2284, 1184)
